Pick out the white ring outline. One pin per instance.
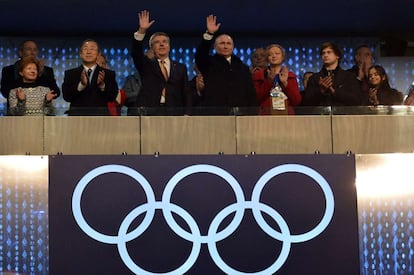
(284, 253)
(121, 240)
(126, 258)
(329, 201)
(203, 168)
(80, 187)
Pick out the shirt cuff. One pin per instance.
(139, 36)
(102, 88)
(81, 87)
(207, 36)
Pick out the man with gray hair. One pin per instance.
(228, 81)
(89, 87)
(164, 81)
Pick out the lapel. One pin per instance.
(156, 68)
(80, 70)
(95, 74)
(16, 70)
(172, 71)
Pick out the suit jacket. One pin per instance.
(153, 81)
(10, 79)
(92, 100)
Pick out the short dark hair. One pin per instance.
(21, 46)
(336, 49)
(360, 47)
(89, 40)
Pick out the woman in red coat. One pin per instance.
(276, 74)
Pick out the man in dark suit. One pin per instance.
(10, 77)
(164, 81)
(228, 81)
(89, 87)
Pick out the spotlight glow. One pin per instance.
(386, 175)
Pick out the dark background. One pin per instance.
(388, 21)
(283, 18)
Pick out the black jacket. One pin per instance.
(153, 81)
(90, 101)
(226, 84)
(347, 90)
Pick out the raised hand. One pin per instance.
(283, 76)
(212, 25)
(373, 96)
(50, 96)
(144, 21)
(200, 82)
(101, 79)
(20, 94)
(367, 63)
(364, 65)
(84, 78)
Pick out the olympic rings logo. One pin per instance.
(213, 236)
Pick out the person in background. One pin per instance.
(131, 88)
(11, 78)
(305, 79)
(196, 86)
(409, 100)
(164, 81)
(115, 106)
(363, 60)
(332, 86)
(276, 74)
(89, 87)
(259, 59)
(30, 97)
(380, 91)
(228, 81)
(101, 61)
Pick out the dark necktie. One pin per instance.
(89, 75)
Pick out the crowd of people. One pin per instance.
(223, 82)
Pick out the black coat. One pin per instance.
(347, 90)
(226, 84)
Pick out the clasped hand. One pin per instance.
(325, 84)
(100, 81)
